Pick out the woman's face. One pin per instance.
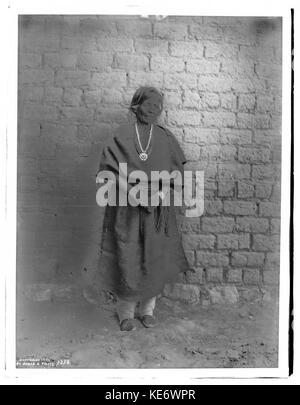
(149, 110)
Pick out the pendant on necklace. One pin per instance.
(143, 156)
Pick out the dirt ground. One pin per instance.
(81, 334)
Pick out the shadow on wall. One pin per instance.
(266, 27)
(81, 217)
(58, 221)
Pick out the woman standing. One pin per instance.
(141, 248)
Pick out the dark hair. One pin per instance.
(141, 94)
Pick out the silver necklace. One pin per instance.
(144, 154)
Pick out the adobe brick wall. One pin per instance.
(222, 80)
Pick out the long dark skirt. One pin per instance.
(140, 251)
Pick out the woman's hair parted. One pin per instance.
(141, 94)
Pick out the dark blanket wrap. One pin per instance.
(141, 248)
